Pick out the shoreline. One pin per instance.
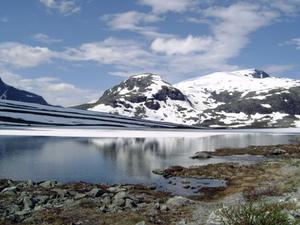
(50, 202)
(136, 133)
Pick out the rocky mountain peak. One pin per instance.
(8, 92)
(252, 73)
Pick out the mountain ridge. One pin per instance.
(8, 92)
(244, 98)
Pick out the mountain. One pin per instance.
(245, 98)
(146, 96)
(14, 113)
(8, 92)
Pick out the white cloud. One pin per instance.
(163, 6)
(136, 22)
(231, 27)
(52, 89)
(20, 55)
(64, 7)
(129, 20)
(278, 68)
(181, 46)
(286, 6)
(44, 38)
(121, 53)
(295, 42)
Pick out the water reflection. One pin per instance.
(113, 160)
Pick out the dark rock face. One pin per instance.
(10, 93)
(259, 74)
(138, 90)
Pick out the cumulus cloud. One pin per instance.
(121, 53)
(181, 46)
(54, 90)
(20, 55)
(44, 38)
(285, 6)
(231, 27)
(64, 7)
(136, 22)
(163, 6)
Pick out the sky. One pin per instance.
(70, 51)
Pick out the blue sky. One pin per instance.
(70, 51)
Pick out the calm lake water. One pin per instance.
(114, 160)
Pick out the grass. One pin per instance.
(251, 213)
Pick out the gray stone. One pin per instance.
(27, 202)
(141, 223)
(61, 192)
(214, 218)
(96, 192)
(106, 200)
(29, 183)
(201, 155)
(178, 201)
(116, 189)
(79, 196)
(129, 203)
(48, 184)
(158, 171)
(42, 199)
(14, 208)
(278, 151)
(9, 190)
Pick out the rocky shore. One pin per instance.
(274, 180)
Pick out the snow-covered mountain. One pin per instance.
(146, 96)
(8, 92)
(28, 114)
(245, 98)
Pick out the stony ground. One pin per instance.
(274, 180)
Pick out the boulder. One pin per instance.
(178, 201)
(201, 155)
(96, 192)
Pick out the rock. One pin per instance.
(158, 171)
(129, 203)
(182, 222)
(79, 196)
(116, 189)
(201, 155)
(141, 223)
(96, 192)
(178, 201)
(61, 192)
(106, 200)
(278, 151)
(214, 218)
(38, 208)
(42, 199)
(13, 208)
(27, 202)
(163, 207)
(22, 213)
(9, 191)
(119, 202)
(48, 184)
(29, 183)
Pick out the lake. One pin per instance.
(117, 160)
